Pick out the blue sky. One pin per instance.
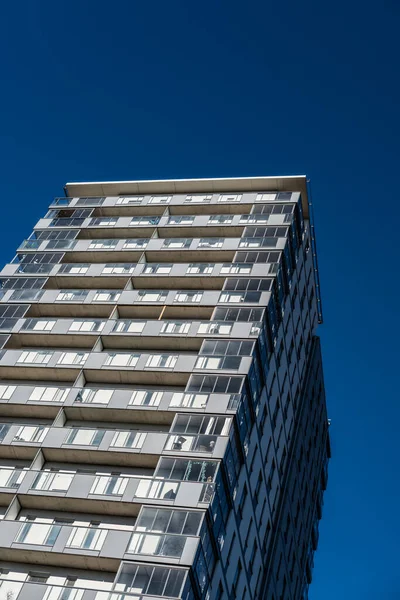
(126, 90)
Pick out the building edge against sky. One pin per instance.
(163, 419)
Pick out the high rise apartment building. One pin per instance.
(163, 422)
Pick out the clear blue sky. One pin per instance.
(96, 90)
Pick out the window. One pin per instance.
(128, 439)
(252, 557)
(258, 487)
(242, 502)
(73, 358)
(215, 384)
(87, 395)
(231, 545)
(175, 327)
(230, 198)
(121, 359)
(86, 325)
(6, 391)
(160, 200)
(144, 398)
(84, 437)
(39, 357)
(165, 361)
(236, 577)
(48, 394)
(188, 297)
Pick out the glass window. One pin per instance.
(144, 221)
(103, 221)
(215, 328)
(72, 295)
(40, 534)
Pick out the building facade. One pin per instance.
(163, 430)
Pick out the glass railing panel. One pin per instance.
(38, 534)
(87, 538)
(191, 443)
(157, 544)
(56, 592)
(109, 486)
(11, 478)
(30, 244)
(53, 481)
(60, 244)
(32, 268)
(7, 323)
(128, 439)
(157, 489)
(9, 590)
(189, 400)
(25, 295)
